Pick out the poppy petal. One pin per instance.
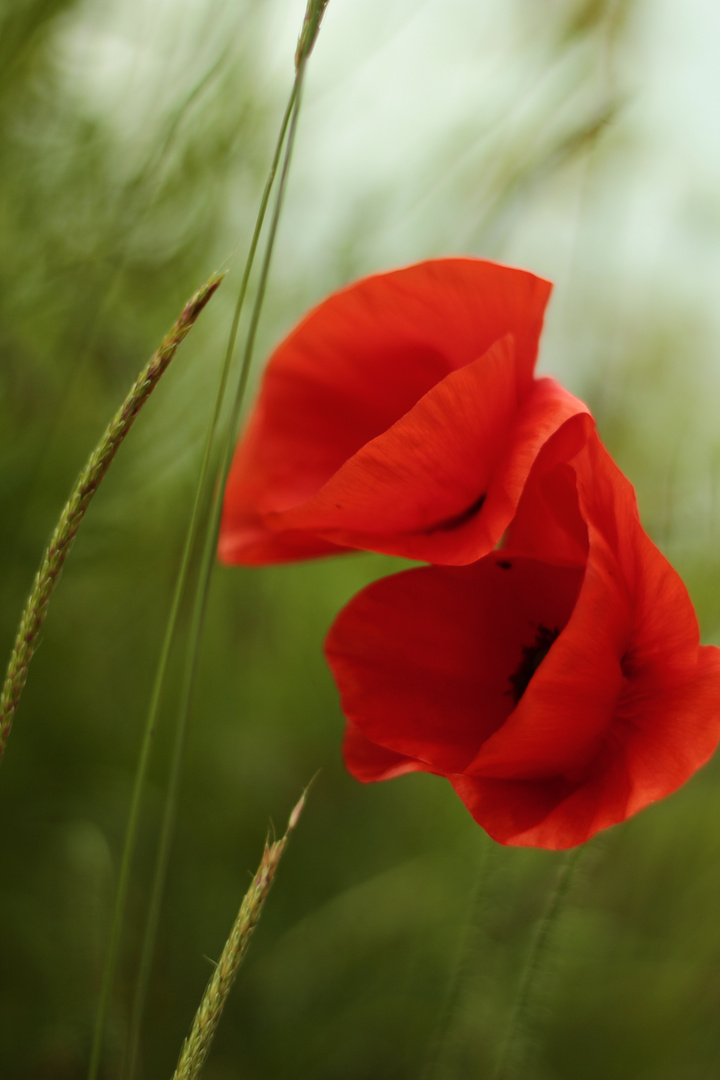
(559, 770)
(548, 408)
(442, 484)
(570, 702)
(662, 734)
(514, 811)
(367, 761)
(548, 523)
(615, 702)
(429, 474)
(668, 724)
(423, 659)
(352, 368)
(553, 814)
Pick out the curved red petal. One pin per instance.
(549, 523)
(367, 761)
(426, 476)
(570, 702)
(668, 722)
(514, 811)
(354, 366)
(663, 732)
(423, 659)
(553, 814)
(442, 484)
(547, 409)
(252, 544)
(619, 711)
(624, 708)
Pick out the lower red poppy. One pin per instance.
(558, 684)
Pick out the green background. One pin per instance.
(574, 137)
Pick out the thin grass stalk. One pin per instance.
(197, 621)
(309, 32)
(209, 551)
(76, 507)
(131, 832)
(513, 1051)
(197, 1045)
(465, 963)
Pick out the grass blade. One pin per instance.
(307, 40)
(76, 507)
(513, 1050)
(197, 1045)
(138, 1006)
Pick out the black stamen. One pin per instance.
(532, 657)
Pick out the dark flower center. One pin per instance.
(532, 657)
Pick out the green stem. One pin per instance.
(512, 1053)
(76, 507)
(141, 772)
(309, 32)
(197, 1045)
(198, 614)
(465, 962)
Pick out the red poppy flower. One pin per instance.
(400, 416)
(557, 683)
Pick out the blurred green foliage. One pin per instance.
(372, 959)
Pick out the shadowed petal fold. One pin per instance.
(384, 416)
(368, 761)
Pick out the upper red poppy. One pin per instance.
(401, 416)
(558, 683)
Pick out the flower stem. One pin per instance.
(131, 831)
(513, 1050)
(197, 1045)
(76, 507)
(310, 30)
(465, 964)
(205, 572)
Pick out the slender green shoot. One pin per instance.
(465, 963)
(150, 727)
(310, 30)
(198, 618)
(512, 1054)
(76, 507)
(197, 1045)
